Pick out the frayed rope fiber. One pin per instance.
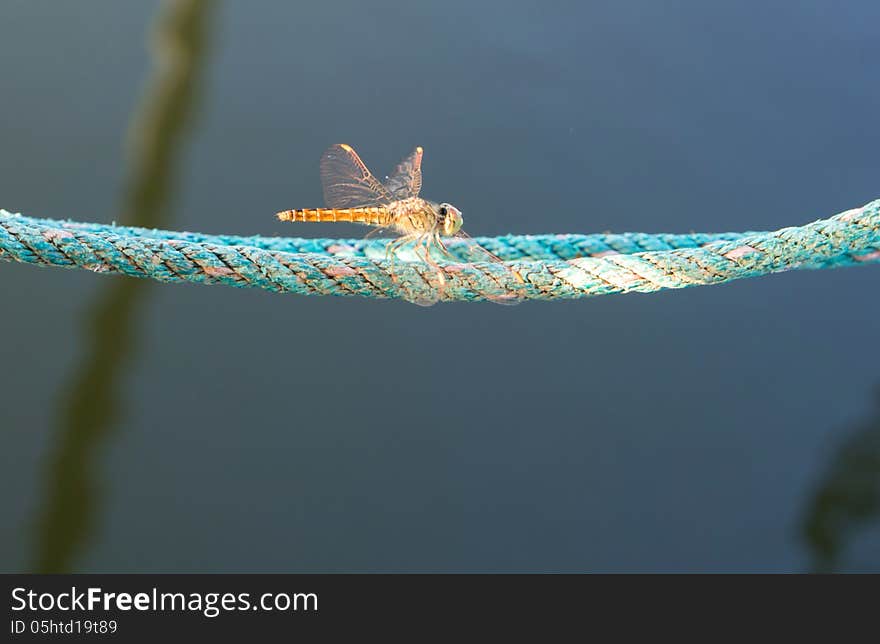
(536, 267)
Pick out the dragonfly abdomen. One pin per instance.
(372, 216)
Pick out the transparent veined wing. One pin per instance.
(406, 179)
(347, 181)
(473, 253)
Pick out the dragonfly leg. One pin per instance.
(425, 244)
(438, 240)
(391, 252)
(376, 231)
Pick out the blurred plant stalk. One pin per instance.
(89, 407)
(847, 498)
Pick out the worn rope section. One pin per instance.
(536, 267)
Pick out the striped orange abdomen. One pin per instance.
(372, 216)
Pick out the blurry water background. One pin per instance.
(189, 428)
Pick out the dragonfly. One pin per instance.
(353, 194)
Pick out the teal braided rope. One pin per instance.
(539, 267)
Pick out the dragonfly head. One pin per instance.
(450, 218)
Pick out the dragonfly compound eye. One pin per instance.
(451, 219)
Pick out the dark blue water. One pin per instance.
(189, 428)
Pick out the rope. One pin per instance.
(536, 267)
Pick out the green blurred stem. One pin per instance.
(90, 407)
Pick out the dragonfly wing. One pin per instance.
(406, 180)
(347, 181)
(476, 253)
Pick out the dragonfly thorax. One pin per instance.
(418, 216)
